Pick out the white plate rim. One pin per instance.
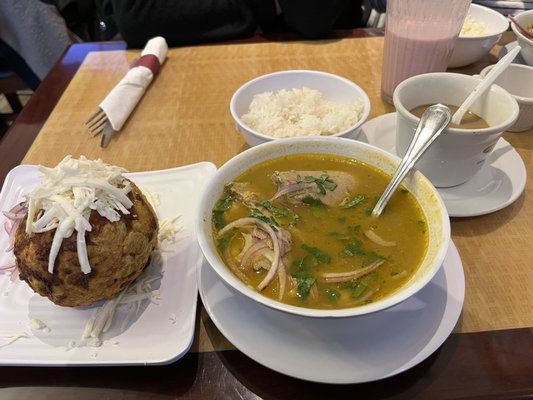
(268, 355)
(118, 350)
(459, 202)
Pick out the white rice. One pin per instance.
(300, 112)
(473, 27)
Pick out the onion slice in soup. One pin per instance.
(275, 244)
(351, 275)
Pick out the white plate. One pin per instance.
(507, 48)
(161, 333)
(499, 183)
(349, 350)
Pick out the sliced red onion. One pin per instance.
(253, 250)
(282, 277)
(374, 237)
(233, 267)
(348, 276)
(275, 244)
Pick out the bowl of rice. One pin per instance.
(482, 29)
(298, 103)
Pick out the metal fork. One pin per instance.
(98, 123)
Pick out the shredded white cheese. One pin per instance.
(168, 229)
(473, 27)
(300, 112)
(144, 288)
(12, 337)
(38, 325)
(66, 196)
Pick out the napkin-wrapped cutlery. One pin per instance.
(117, 106)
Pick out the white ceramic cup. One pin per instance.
(517, 79)
(457, 154)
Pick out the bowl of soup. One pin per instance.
(288, 224)
(298, 103)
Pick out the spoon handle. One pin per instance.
(484, 84)
(433, 121)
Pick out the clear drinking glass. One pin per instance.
(419, 38)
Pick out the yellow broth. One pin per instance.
(328, 239)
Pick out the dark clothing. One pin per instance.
(183, 22)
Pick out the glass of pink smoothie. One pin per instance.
(419, 38)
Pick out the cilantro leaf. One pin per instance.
(312, 202)
(225, 240)
(319, 255)
(355, 201)
(333, 295)
(304, 282)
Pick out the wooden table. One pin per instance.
(490, 353)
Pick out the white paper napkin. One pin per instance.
(121, 101)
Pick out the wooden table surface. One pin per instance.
(184, 118)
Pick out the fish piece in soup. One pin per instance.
(330, 187)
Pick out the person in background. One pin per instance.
(204, 21)
(32, 37)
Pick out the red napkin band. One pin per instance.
(149, 61)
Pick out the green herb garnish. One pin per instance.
(339, 235)
(319, 255)
(304, 282)
(254, 212)
(358, 290)
(276, 212)
(225, 240)
(221, 206)
(333, 295)
(355, 201)
(226, 201)
(353, 249)
(281, 212)
(371, 258)
(322, 183)
(312, 202)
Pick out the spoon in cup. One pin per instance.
(433, 121)
(484, 84)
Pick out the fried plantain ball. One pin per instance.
(118, 253)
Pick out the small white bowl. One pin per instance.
(429, 199)
(333, 88)
(469, 49)
(525, 18)
(517, 79)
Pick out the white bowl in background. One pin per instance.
(469, 49)
(525, 19)
(333, 88)
(517, 79)
(429, 199)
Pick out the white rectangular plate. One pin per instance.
(161, 333)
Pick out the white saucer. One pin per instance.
(507, 48)
(349, 350)
(499, 183)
